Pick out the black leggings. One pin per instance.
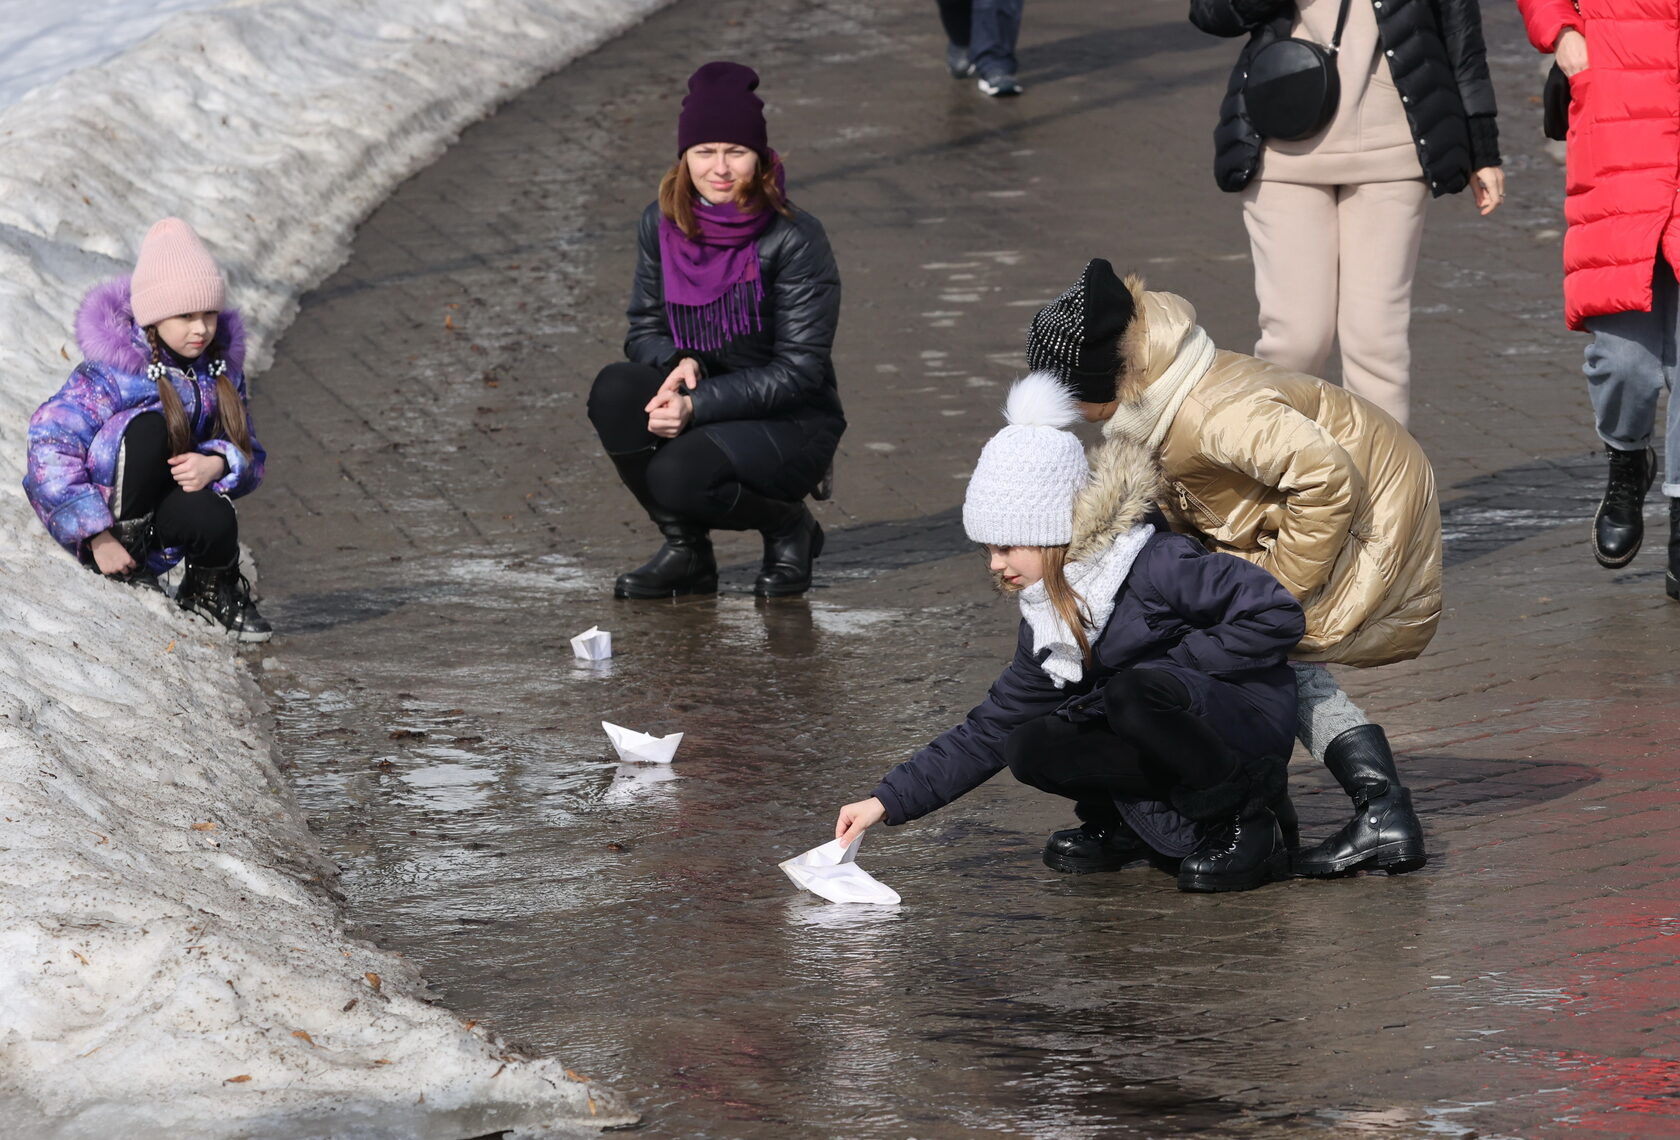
(1147, 745)
(699, 474)
(202, 523)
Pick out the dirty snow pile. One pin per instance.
(172, 962)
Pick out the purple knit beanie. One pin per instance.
(720, 107)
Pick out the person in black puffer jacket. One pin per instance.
(1335, 220)
(725, 413)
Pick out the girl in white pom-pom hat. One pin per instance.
(1149, 684)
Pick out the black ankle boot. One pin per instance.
(792, 541)
(684, 564)
(788, 555)
(1239, 855)
(1385, 835)
(221, 594)
(1102, 843)
(1619, 526)
(1671, 580)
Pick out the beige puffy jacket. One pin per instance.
(1309, 481)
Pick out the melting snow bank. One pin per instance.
(172, 961)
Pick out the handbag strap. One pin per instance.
(1341, 22)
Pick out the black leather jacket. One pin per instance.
(785, 368)
(1439, 63)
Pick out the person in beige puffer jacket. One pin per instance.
(1314, 484)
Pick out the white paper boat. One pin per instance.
(639, 747)
(829, 871)
(593, 644)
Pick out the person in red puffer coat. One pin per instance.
(1623, 243)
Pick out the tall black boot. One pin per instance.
(1619, 525)
(792, 541)
(221, 594)
(684, 564)
(1385, 835)
(1671, 580)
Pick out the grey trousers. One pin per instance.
(1325, 711)
(1630, 364)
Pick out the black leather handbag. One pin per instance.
(1292, 88)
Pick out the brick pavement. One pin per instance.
(429, 452)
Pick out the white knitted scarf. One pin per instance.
(1096, 581)
(1148, 418)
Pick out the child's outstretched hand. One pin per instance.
(857, 818)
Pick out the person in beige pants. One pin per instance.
(1335, 220)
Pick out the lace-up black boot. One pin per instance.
(1671, 580)
(1238, 855)
(1385, 835)
(684, 564)
(221, 594)
(1102, 843)
(1619, 526)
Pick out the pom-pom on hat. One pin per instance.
(721, 107)
(175, 274)
(1077, 336)
(1022, 490)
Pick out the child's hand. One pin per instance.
(195, 471)
(109, 555)
(857, 818)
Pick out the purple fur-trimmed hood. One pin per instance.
(107, 334)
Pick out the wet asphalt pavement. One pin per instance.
(438, 522)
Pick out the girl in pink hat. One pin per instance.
(134, 463)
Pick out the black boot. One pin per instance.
(1385, 835)
(221, 594)
(1102, 842)
(1671, 580)
(684, 565)
(1239, 855)
(792, 541)
(1619, 526)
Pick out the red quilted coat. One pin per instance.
(1624, 148)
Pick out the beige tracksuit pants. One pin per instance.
(1336, 263)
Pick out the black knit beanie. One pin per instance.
(1077, 336)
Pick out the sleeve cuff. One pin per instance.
(1484, 141)
(889, 800)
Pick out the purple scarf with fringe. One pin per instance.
(713, 286)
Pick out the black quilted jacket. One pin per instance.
(782, 370)
(1439, 63)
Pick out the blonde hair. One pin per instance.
(1069, 606)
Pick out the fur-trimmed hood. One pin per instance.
(1160, 325)
(1124, 483)
(107, 334)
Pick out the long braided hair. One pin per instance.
(230, 409)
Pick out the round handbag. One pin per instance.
(1291, 88)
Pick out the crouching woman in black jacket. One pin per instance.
(726, 413)
(1149, 685)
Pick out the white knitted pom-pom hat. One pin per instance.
(1022, 490)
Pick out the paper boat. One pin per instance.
(593, 644)
(829, 871)
(639, 747)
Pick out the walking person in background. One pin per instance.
(1335, 219)
(1148, 684)
(133, 463)
(1622, 58)
(1307, 481)
(725, 413)
(980, 42)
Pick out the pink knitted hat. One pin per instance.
(175, 275)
